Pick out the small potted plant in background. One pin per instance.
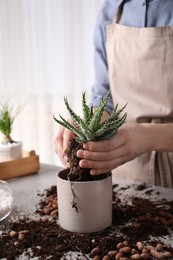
(85, 201)
(9, 149)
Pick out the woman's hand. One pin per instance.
(63, 137)
(131, 140)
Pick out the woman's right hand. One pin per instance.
(63, 137)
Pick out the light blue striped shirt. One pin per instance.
(136, 13)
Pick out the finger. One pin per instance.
(101, 164)
(59, 140)
(95, 156)
(59, 145)
(67, 137)
(100, 171)
(108, 145)
(102, 156)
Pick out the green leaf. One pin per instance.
(69, 126)
(86, 109)
(99, 112)
(7, 117)
(90, 128)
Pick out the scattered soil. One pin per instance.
(140, 220)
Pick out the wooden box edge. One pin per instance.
(27, 164)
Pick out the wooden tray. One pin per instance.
(28, 164)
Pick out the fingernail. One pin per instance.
(92, 172)
(83, 164)
(65, 160)
(84, 146)
(68, 165)
(79, 154)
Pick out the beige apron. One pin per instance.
(140, 64)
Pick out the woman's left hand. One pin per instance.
(130, 141)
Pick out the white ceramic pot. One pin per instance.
(93, 200)
(10, 151)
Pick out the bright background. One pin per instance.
(46, 50)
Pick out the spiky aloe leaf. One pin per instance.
(113, 126)
(112, 120)
(77, 119)
(113, 116)
(86, 109)
(99, 112)
(69, 126)
(91, 112)
(107, 135)
(82, 134)
(90, 128)
(115, 113)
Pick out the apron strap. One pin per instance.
(162, 165)
(119, 11)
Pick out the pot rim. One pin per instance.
(109, 175)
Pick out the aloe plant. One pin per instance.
(90, 127)
(7, 117)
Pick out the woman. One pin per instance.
(134, 58)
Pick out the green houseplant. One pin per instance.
(9, 149)
(89, 128)
(92, 195)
